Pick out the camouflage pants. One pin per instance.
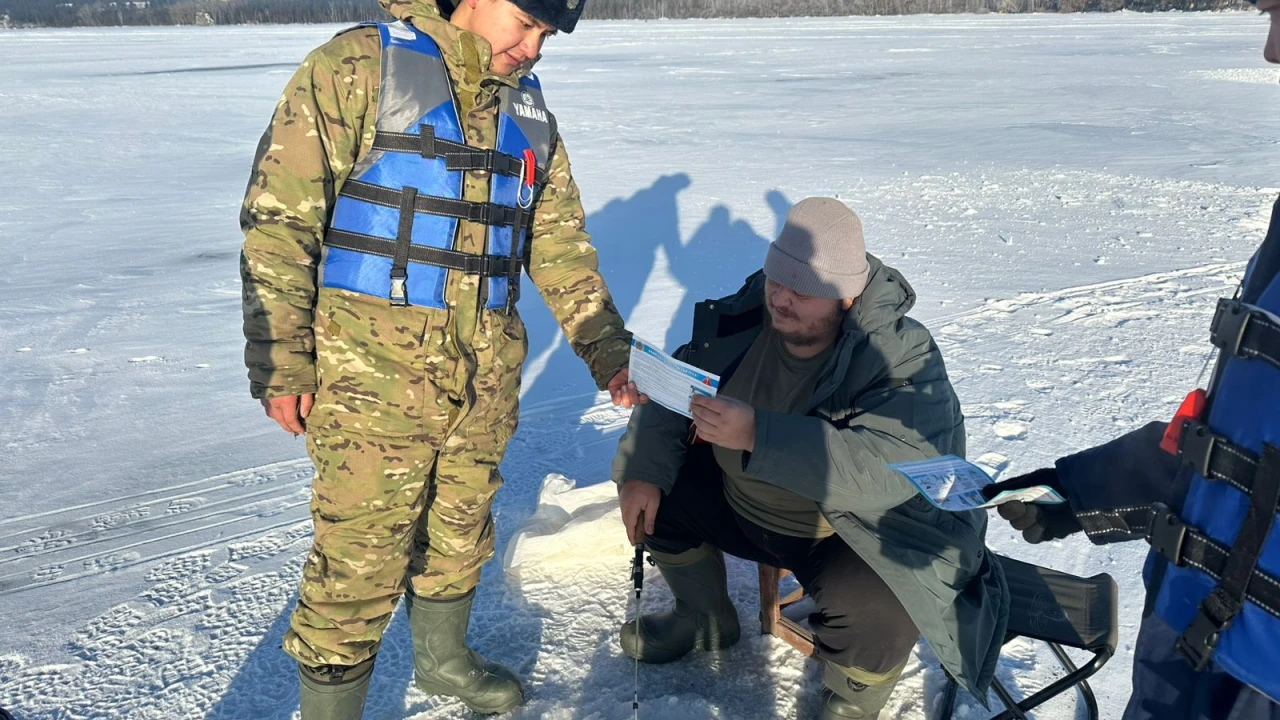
(405, 476)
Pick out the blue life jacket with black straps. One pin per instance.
(1221, 585)
(393, 226)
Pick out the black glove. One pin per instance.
(1037, 521)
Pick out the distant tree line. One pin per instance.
(66, 13)
(654, 9)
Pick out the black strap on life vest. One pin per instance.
(485, 213)
(1217, 458)
(402, 250)
(457, 156)
(515, 262)
(469, 263)
(1246, 332)
(1220, 607)
(1182, 545)
(404, 240)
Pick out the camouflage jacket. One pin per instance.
(323, 124)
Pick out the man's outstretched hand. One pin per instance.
(624, 392)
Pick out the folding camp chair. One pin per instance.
(1061, 609)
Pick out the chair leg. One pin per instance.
(948, 699)
(1075, 676)
(772, 621)
(1013, 710)
(769, 610)
(1090, 702)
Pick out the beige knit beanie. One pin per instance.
(820, 251)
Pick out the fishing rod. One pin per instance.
(637, 584)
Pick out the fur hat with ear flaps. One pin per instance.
(560, 14)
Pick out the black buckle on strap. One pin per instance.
(491, 214)
(1167, 533)
(506, 164)
(1196, 444)
(1201, 637)
(482, 265)
(399, 293)
(1230, 320)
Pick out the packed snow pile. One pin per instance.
(573, 529)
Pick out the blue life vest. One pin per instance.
(1221, 585)
(393, 226)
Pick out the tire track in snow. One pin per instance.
(1024, 300)
(213, 480)
(1071, 349)
(175, 648)
(136, 519)
(136, 528)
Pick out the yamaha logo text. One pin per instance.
(529, 111)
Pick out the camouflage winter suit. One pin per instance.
(414, 406)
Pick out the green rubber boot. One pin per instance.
(334, 692)
(703, 616)
(856, 693)
(444, 665)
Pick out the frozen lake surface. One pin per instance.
(1068, 196)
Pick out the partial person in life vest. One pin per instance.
(1203, 490)
(410, 174)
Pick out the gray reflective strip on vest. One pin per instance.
(412, 84)
(533, 118)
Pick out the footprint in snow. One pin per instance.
(993, 461)
(1007, 430)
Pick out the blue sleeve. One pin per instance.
(1128, 472)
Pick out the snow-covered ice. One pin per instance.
(1068, 196)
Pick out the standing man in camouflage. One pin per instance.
(409, 173)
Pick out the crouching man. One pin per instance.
(824, 381)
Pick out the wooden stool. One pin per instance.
(772, 622)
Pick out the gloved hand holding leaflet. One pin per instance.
(953, 483)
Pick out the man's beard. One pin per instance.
(818, 332)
